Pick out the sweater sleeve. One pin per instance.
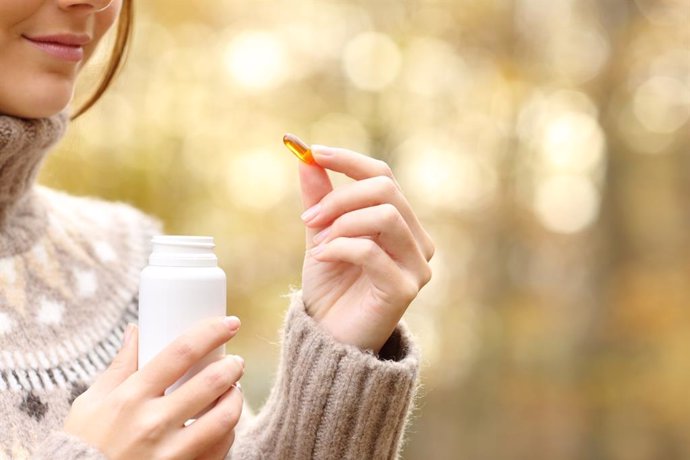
(62, 446)
(331, 400)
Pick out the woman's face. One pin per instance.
(43, 45)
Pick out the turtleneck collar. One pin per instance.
(23, 146)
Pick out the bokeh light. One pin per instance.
(567, 203)
(256, 60)
(443, 177)
(372, 60)
(662, 104)
(257, 179)
(572, 142)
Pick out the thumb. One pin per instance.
(315, 184)
(123, 365)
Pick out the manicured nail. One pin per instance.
(321, 150)
(319, 237)
(233, 322)
(310, 213)
(128, 334)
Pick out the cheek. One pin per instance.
(14, 12)
(30, 88)
(103, 23)
(106, 19)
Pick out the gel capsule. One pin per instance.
(299, 148)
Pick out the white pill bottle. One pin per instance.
(181, 285)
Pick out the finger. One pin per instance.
(175, 360)
(385, 225)
(391, 284)
(360, 167)
(123, 365)
(315, 184)
(353, 164)
(366, 193)
(204, 388)
(214, 427)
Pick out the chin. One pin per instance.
(40, 101)
(46, 109)
(35, 109)
(46, 105)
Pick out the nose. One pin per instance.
(87, 5)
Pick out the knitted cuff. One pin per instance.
(332, 400)
(62, 446)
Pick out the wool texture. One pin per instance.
(69, 274)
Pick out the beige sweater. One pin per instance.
(69, 272)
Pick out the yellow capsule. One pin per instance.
(299, 148)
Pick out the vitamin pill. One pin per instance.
(299, 148)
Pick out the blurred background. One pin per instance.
(544, 144)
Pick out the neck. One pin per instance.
(23, 146)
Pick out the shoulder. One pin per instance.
(73, 291)
(95, 214)
(112, 235)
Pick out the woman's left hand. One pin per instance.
(367, 254)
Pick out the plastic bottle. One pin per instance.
(181, 285)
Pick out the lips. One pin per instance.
(69, 47)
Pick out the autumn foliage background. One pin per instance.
(544, 144)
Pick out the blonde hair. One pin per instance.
(117, 58)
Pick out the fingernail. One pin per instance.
(238, 385)
(128, 334)
(319, 237)
(310, 213)
(233, 322)
(239, 359)
(321, 150)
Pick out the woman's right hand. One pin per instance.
(126, 415)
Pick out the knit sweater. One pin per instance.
(69, 273)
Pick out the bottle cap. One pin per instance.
(183, 251)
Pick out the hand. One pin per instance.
(367, 254)
(125, 414)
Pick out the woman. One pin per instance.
(68, 281)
